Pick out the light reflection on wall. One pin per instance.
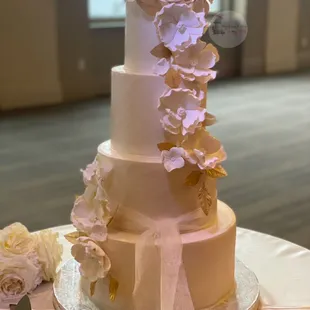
(114, 9)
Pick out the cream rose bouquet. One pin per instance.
(26, 260)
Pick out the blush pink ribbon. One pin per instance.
(160, 277)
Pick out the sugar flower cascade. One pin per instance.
(186, 62)
(91, 215)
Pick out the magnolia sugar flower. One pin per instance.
(151, 7)
(15, 239)
(88, 217)
(182, 113)
(195, 62)
(89, 173)
(104, 179)
(204, 160)
(94, 263)
(173, 159)
(19, 276)
(97, 179)
(204, 150)
(179, 27)
(162, 67)
(49, 253)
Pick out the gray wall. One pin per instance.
(279, 37)
(304, 35)
(49, 54)
(28, 54)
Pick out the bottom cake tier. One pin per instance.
(208, 258)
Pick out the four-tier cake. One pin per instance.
(151, 234)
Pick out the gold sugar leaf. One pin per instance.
(165, 146)
(92, 288)
(214, 50)
(204, 87)
(217, 172)
(113, 287)
(204, 199)
(72, 237)
(193, 178)
(23, 304)
(209, 120)
(173, 79)
(161, 51)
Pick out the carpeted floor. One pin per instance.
(264, 124)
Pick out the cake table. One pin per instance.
(282, 268)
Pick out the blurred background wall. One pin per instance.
(51, 52)
(29, 55)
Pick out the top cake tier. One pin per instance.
(140, 39)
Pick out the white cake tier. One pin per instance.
(208, 258)
(140, 39)
(136, 127)
(142, 184)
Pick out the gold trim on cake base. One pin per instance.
(68, 294)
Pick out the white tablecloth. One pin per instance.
(282, 268)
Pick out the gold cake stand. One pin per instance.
(69, 296)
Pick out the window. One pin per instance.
(115, 9)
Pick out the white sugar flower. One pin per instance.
(49, 253)
(89, 217)
(172, 122)
(89, 174)
(195, 87)
(204, 150)
(104, 179)
(95, 176)
(94, 263)
(173, 159)
(195, 62)
(19, 276)
(182, 111)
(15, 239)
(179, 27)
(162, 67)
(205, 161)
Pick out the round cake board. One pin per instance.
(68, 295)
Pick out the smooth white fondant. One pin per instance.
(140, 39)
(208, 257)
(136, 127)
(145, 186)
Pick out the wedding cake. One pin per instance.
(151, 234)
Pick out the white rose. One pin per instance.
(94, 263)
(19, 276)
(49, 253)
(15, 239)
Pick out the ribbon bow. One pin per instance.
(160, 277)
